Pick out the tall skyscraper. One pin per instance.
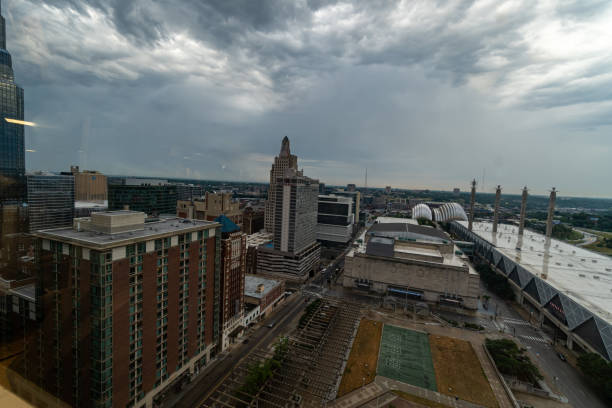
(293, 202)
(285, 160)
(12, 150)
(295, 215)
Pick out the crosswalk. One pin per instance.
(536, 339)
(516, 322)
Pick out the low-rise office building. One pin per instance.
(335, 219)
(263, 293)
(89, 185)
(412, 262)
(153, 197)
(210, 207)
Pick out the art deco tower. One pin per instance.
(285, 160)
(12, 153)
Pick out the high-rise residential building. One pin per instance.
(295, 254)
(50, 200)
(335, 219)
(153, 197)
(233, 269)
(350, 187)
(89, 185)
(127, 307)
(12, 148)
(285, 160)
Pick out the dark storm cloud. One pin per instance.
(207, 88)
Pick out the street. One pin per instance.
(566, 379)
(206, 382)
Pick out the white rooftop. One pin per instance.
(582, 275)
(399, 220)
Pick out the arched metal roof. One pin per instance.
(421, 211)
(449, 212)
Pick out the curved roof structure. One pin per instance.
(571, 283)
(421, 211)
(449, 212)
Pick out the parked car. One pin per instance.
(561, 357)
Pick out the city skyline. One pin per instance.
(423, 96)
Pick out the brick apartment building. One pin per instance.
(126, 307)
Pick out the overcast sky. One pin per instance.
(424, 94)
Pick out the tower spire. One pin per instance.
(285, 148)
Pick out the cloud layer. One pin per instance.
(422, 93)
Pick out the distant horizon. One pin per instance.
(559, 197)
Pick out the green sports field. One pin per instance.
(405, 356)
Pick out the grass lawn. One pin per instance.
(458, 371)
(362, 360)
(600, 249)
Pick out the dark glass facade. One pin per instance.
(150, 199)
(50, 201)
(12, 150)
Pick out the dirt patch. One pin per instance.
(418, 400)
(458, 371)
(363, 358)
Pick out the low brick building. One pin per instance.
(262, 292)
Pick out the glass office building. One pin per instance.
(12, 150)
(50, 201)
(150, 199)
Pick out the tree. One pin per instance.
(598, 373)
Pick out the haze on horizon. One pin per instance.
(424, 94)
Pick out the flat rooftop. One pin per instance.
(251, 282)
(152, 230)
(582, 275)
(403, 230)
(393, 220)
